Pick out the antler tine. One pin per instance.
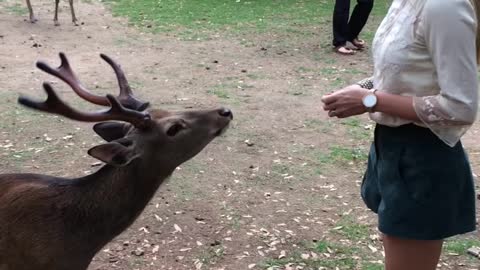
(55, 105)
(126, 96)
(66, 74)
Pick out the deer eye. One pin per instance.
(174, 129)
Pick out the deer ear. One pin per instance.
(113, 153)
(110, 131)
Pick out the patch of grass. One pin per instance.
(136, 84)
(321, 246)
(460, 246)
(269, 263)
(351, 122)
(317, 124)
(325, 58)
(340, 257)
(247, 43)
(220, 92)
(368, 36)
(352, 230)
(313, 123)
(304, 70)
(211, 255)
(236, 222)
(281, 169)
(181, 183)
(193, 35)
(227, 90)
(211, 14)
(341, 155)
(337, 82)
(356, 128)
(355, 71)
(254, 76)
(17, 9)
(298, 92)
(328, 71)
(195, 19)
(372, 266)
(122, 42)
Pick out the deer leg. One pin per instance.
(30, 10)
(74, 18)
(55, 19)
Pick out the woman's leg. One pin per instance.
(359, 18)
(402, 254)
(341, 13)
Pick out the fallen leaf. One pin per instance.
(177, 228)
(372, 248)
(305, 256)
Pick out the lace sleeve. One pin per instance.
(440, 117)
(366, 83)
(450, 38)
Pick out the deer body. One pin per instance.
(72, 219)
(53, 223)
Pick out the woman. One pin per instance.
(424, 97)
(345, 30)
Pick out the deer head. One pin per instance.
(130, 129)
(143, 148)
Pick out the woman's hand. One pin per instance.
(345, 102)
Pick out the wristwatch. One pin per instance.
(370, 100)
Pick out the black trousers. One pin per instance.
(347, 30)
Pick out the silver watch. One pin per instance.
(370, 100)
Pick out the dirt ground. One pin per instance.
(282, 176)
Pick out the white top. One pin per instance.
(426, 49)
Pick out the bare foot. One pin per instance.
(344, 50)
(56, 23)
(33, 19)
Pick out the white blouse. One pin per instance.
(426, 49)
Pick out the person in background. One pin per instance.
(345, 30)
(423, 97)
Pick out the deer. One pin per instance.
(33, 19)
(54, 223)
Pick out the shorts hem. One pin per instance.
(415, 236)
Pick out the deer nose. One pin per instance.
(224, 112)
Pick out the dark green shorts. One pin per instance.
(420, 187)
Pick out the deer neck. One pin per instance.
(115, 197)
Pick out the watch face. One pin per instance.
(370, 101)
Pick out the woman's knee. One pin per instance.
(402, 253)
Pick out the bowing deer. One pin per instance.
(54, 223)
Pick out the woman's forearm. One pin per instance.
(396, 105)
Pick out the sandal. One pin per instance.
(359, 43)
(344, 50)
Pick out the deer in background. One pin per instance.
(33, 19)
(54, 223)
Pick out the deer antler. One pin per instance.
(66, 74)
(117, 111)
